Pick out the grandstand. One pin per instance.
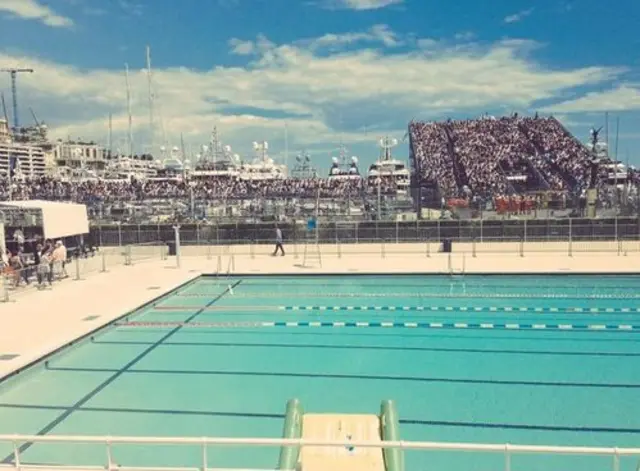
(491, 157)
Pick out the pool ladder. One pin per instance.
(452, 270)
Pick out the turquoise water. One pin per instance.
(466, 359)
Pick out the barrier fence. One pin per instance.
(30, 278)
(510, 230)
(506, 450)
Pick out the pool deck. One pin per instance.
(37, 324)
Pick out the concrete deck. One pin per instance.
(34, 325)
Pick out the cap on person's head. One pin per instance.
(58, 243)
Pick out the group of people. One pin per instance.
(499, 155)
(106, 191)
(43, 260)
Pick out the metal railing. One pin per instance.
(32, 278)
(427, 248)
(507, 450)
(393, 232)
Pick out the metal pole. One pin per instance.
(570, 240)
(379, 196)
(5, 289)
(176, 230)
(104, 262)
(77, 268)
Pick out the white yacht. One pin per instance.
(389, 167)
(342, 169)
(216, 160)
(130, 167)
(262, 167)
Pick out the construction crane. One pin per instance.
(14, 91)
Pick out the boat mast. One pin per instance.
(286, 146)
(214, 145)
(130, 134)
(110, 137)
(150, 85)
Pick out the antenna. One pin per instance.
(150, 84)
(130, 137)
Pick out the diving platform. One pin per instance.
(341, 428)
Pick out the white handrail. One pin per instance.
(407, 445)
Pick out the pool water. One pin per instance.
(548, 360)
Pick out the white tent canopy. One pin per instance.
(58, 219)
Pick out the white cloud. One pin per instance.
(360, 4)
(292, 83)
(622, 98)
(376, 34)
(516, 17)
(33, 10)
(246, 48)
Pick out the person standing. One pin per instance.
(278, 242)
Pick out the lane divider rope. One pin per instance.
(501, 309)
(418, 295)
(390, 324)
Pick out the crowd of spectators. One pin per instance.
(499, 156)
(108, 191)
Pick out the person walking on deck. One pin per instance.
(278, 242)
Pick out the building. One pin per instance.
(28, 160)
(78, 154)
(5, 135)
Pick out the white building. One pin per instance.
(5, 136)
(76, 154)
(29, 159)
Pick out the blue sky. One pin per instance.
(351, 70)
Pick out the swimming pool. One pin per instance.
(550, 360)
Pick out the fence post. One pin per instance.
(77, 263)
(507, 458)
(252, 249)
(119, 233)
(5, 289)
(382, 252)
(127, 255)
(521, 246)
(481, 231)
(104, 262)
(615, 227)
(397, 230)
(357, 228)
(208, 251)
(176, 230)
(525, 230)
(570, 239)
(473, 247)
(339, 249)
(428, 249)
